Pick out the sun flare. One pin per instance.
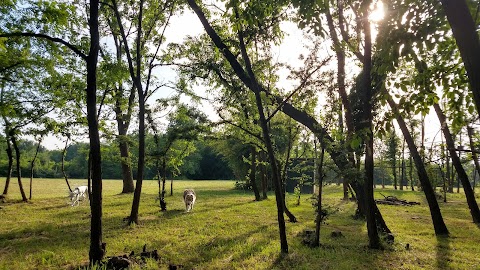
(377, 13)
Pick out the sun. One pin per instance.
(377, 13)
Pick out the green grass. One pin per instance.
(227, 230)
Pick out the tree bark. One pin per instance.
(340, 54)
(263, 172)
(10, 165)
(474, 154)
(127, 178)
(276, 178)
(462, 175)
(374, 239)
(403, 174)
(411, 172)
(266, 136)
(318, 220)
(136, 78)
(32, 165)
(466, 35)
(437, 219)
(97, 248)
(253, 173)
(19, 169)
(123, 123)
(63, 165)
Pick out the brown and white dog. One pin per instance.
(189, 198)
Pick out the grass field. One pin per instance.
(227, 230)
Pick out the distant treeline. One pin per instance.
(203, 163)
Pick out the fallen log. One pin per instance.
(392, 200)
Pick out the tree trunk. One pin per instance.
(253, 173)
(340, 54)
(437, 219)
(462, 175)
(123, 122)
(465, 32)
(318, 220)
(337, 154)
(32, 165)
(10, 165)
(263, 172)
(276, 178)
(127, 177)
(141, 122)
(266, 136)
(453, 163)
(402, 180)
(19, 169)
(163, 204)
(97, 248)
(474, 154)
(411, 172)
(63, 165)
(449, 174)
(374, 239)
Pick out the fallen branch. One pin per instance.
(392, 200)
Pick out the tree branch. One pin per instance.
(43, 36)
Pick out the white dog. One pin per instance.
(78, 194)
(189, 198)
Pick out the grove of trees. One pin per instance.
(356, 100)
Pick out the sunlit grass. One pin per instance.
(227, 230)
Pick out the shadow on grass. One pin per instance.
(172, 213)
(223, 250)
(443, 252)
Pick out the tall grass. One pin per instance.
(227, 230)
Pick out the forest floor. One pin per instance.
(228, 230)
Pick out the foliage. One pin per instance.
(211, 232)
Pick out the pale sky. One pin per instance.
(288, 52)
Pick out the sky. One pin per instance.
(288, 52)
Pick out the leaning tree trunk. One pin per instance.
(437, 219)
(474, 154)
(302, 117)
(19, 170)
(276, 178)
(465, 32)
(10, 167)
(32, 165)
(462, 175)
(141, 119)
(266, 136)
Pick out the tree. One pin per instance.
(392, 150)
(148, 23)
(465, 32)
(438, 223)
(185, 125)
(97, 248)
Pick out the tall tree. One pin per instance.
(286, 107)
(464, 30)
(462, 175)
(438, 222)
(392, 150)
(97, 248)
(148, 23)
